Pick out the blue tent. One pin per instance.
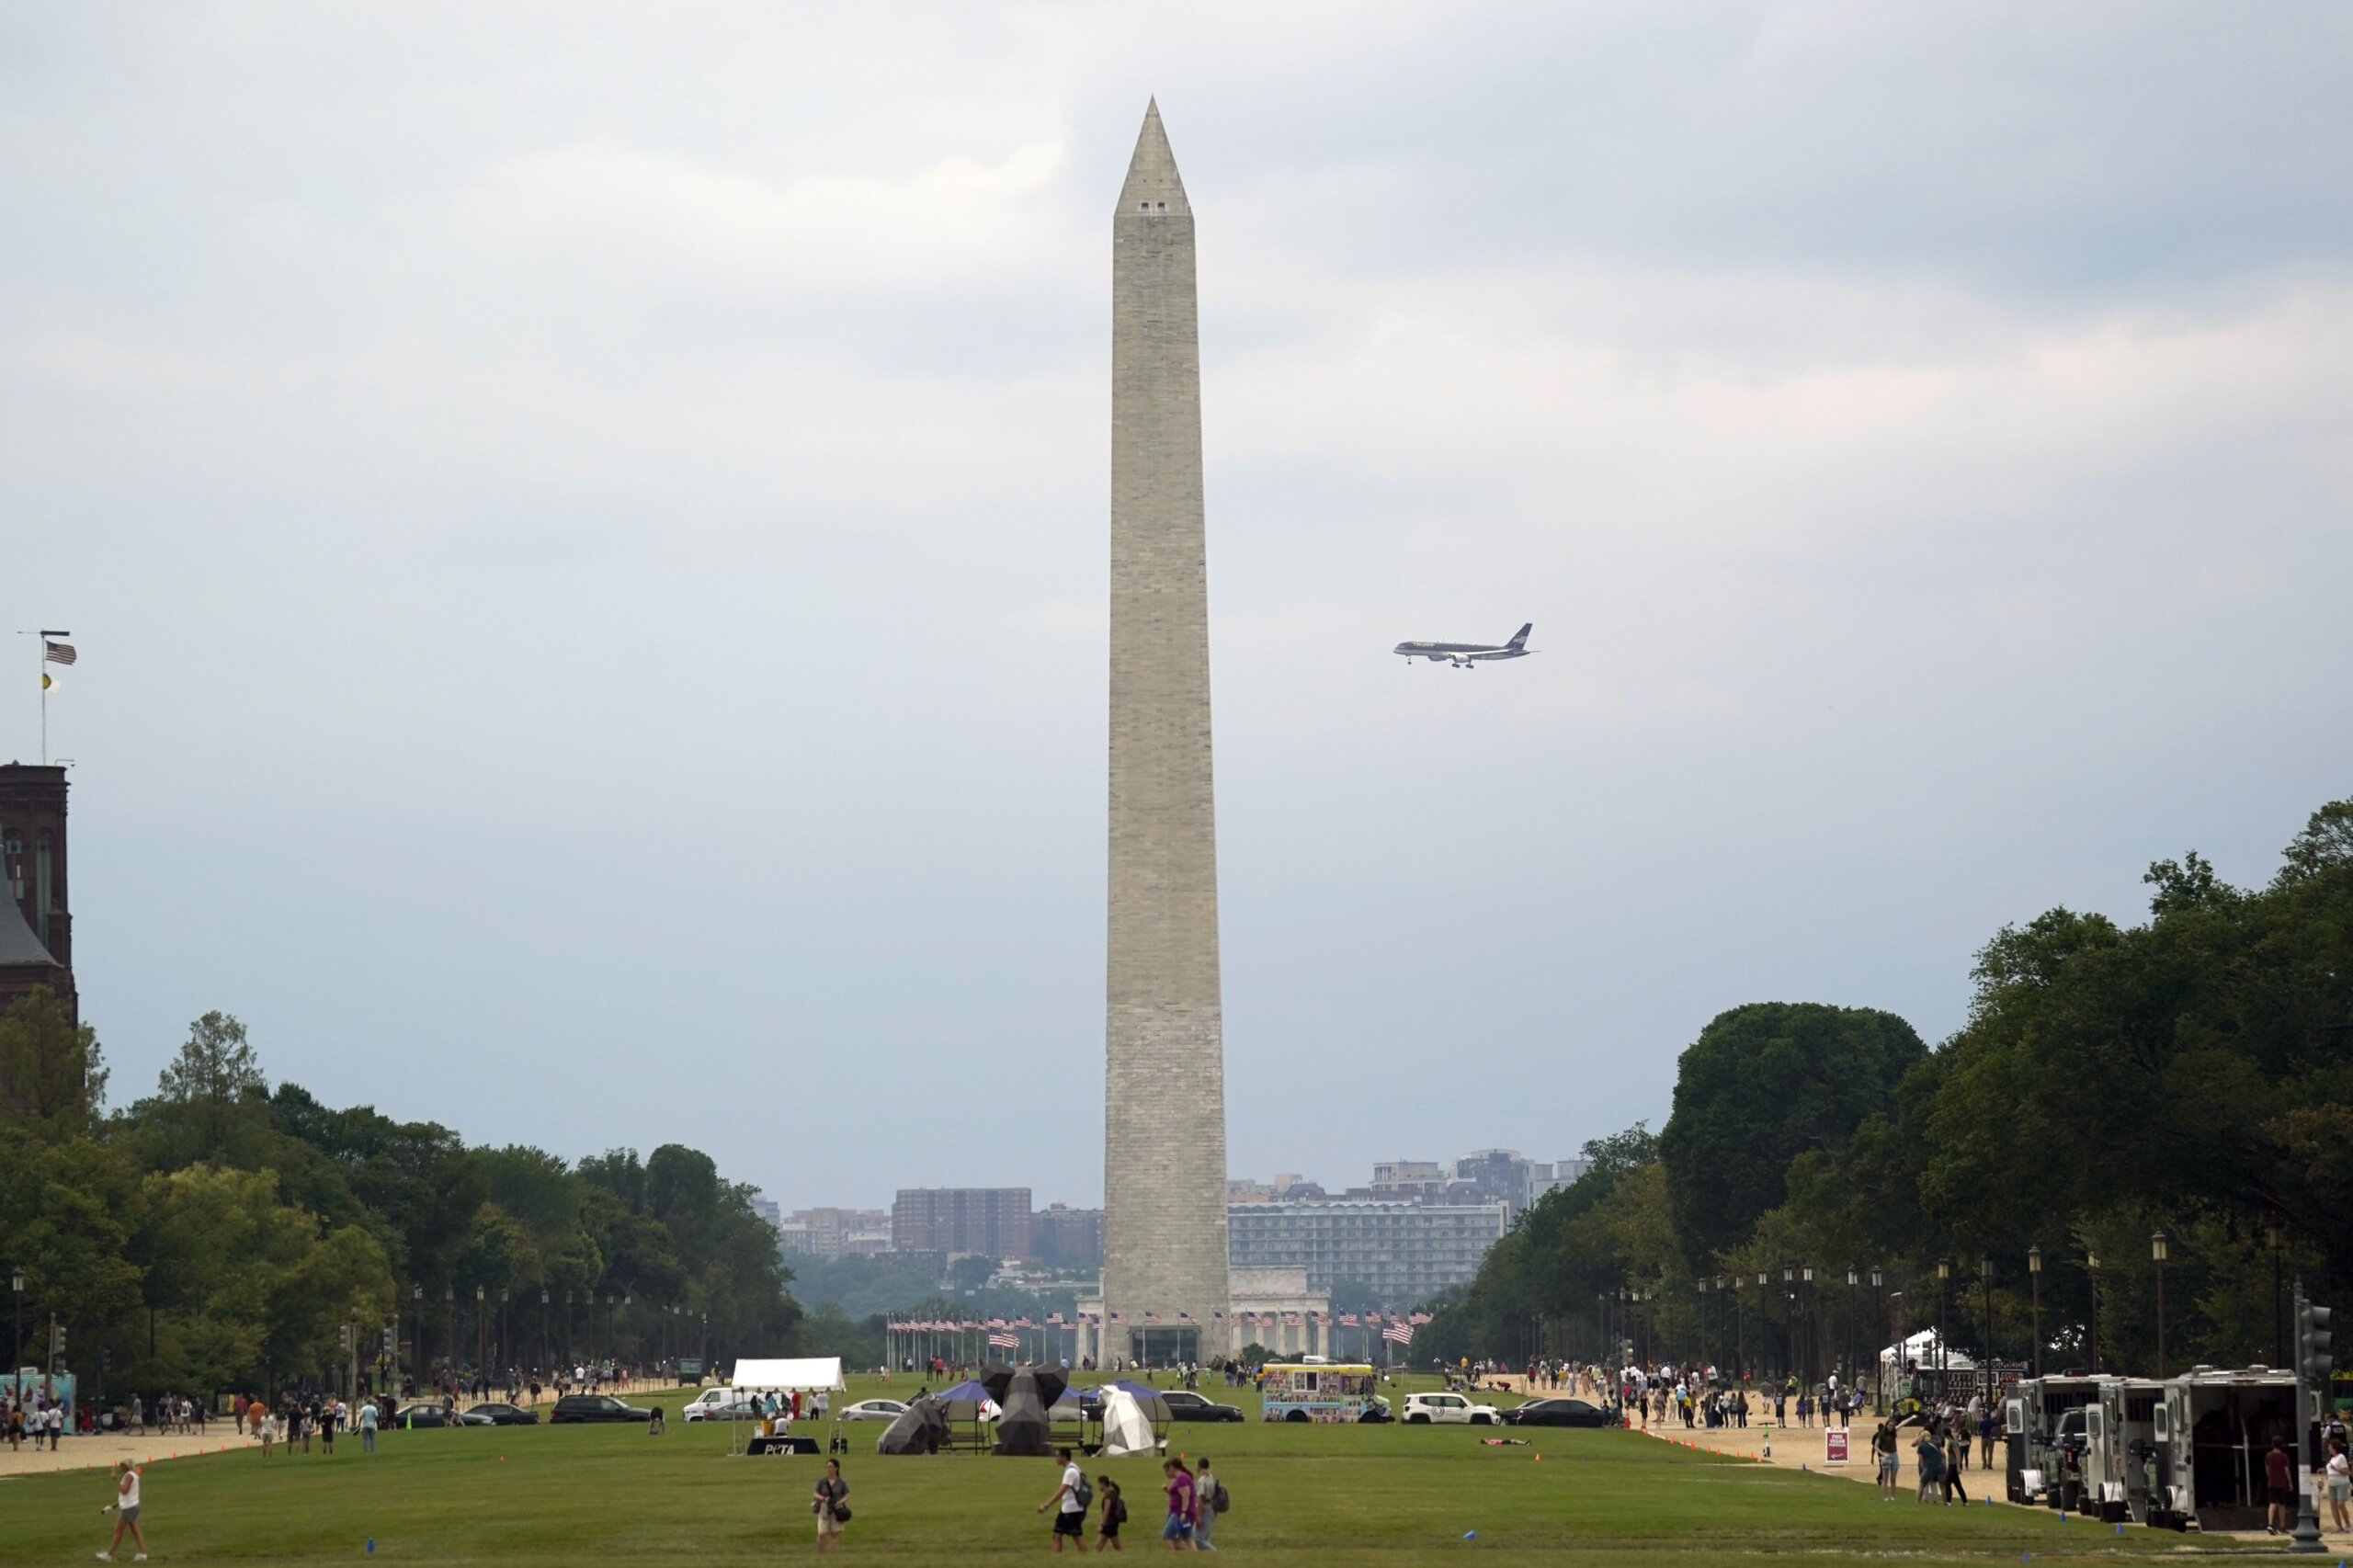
(970, 1388)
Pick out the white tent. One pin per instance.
(805, 1375)
(1125, 1430)
(1920, 1351)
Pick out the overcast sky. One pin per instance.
(586, 532)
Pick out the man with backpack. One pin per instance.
(1212, 1500)
(1070, 1502)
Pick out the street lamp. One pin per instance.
(2159, 1244)
(2091, 1266)
(417, 1346)
(1986, 1293)
(17, 1289)
(1805, 1299)
(482, 1335)
(2275, 1230)
(2034, 1278)
(1853, 1357)
(1944, 1272)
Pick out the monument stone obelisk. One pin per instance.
(1163, 1125)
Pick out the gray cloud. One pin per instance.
(587, 535)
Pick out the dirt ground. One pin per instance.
(99, 1453)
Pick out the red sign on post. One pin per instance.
(1833, 1445)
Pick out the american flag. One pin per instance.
(1294, 1319)
(57, 653)
(1184, 1317)
(1152, 1317)
(1398, 1333)
(1218, 1316)
(1004, 1340)
(1055, 1319)
(1420, 1318)
(1115, 1317)
(1347, 1320)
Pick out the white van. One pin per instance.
(723, 1404)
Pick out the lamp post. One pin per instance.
(2091, 1266)
(543, 1327)
(17, 1289)
(449, 1301)
(2159, 1244)
(2034, 1280)
(481, 1337)
(567, 1326)
(1739, 1334)
(1985, 1294)
(1850, 1355)
(416, 1345)
(1703, 1320)
(506, 1335)
(1879, 1321)
(1812, 1328)
(1944, 1273)
(2274, 1230)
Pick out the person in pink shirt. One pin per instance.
(1182, 1501)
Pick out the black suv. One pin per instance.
(595, 1407)
(1184, 1405)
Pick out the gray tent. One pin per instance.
(1024, 1428)
(921, 1429)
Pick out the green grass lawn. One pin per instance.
(1302, 1495)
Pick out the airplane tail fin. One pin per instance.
(1519, 638)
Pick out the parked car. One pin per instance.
(874, 1410)
(723, 1404)
(1558, 1412)
(1185, 1405)
(586, 1407)
(1423, 1409)
(505, 1415)
(436, 1415)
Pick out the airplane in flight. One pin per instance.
(1464, 655)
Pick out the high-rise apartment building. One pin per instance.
(960, 1220)
(1403, 1252)
(1063, 1237)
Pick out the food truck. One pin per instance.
(2212, 1432)
(1301, 1393)
(2118, 1464)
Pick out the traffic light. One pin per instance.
(57, 1341)
(2312, 1336)
(343, 1338)
(388, 1342)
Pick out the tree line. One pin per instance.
(2138, 1140)
(223, 1234)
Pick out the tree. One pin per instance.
(1760, 1085)
(51, 1073)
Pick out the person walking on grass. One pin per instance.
(1932, 1463)
(1956, 1448)
(1183, 1505)
(125, 1508)
(831, 1501)
(368, 1421)
(1883, 1451)
(1115, 1514)
(1208, 1502)
(1069, 1503)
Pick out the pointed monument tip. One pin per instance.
(1153, 189)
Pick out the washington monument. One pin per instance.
(1163, 1124)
